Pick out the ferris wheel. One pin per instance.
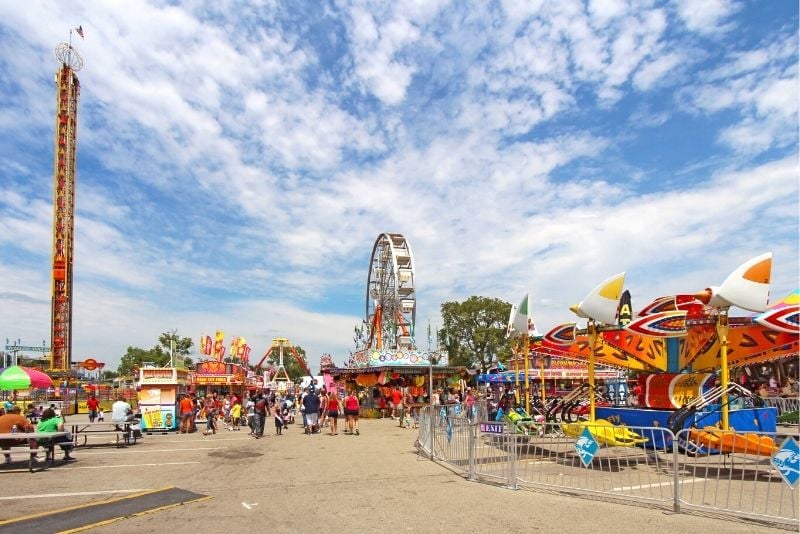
(391, 305)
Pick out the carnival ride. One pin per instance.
(279, 377)
(66, 131)
(391, 304)
(671, 343)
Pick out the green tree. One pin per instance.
(159, 355)
(474, 331)
(134, 358)
(182, 346)
(108, 375)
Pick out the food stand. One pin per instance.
(223, 378)
(373, 369)
(158, 395)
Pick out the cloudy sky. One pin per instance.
(237, 160)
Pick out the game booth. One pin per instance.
(371, 371)
(159, 388)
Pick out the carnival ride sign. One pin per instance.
(670, 391)
(406, 357)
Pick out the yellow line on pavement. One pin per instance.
(137, 514)
(79, 506)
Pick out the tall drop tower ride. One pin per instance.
(67, 94)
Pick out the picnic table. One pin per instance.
(122, 432)
(32, 443)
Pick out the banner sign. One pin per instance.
(376, 358)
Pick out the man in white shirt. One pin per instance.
(121, 411)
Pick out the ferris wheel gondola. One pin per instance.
(391, 304)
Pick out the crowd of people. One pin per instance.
(319, 409)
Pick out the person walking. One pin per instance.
(250, 409)
(186, 412)
(279, 422)
(323, 409)
(211, 416)
(93, 404)
(236, 415)
(311, 404)
(261, 415)
(303, 409)
(333, 412)
(351, 409)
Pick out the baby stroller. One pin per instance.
(288, 416)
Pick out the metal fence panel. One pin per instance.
(783, 404)
(743, 482)
(665, 470)
(618, 467)
(493, 453)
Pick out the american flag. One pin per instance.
(79, 30)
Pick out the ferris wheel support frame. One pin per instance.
(391, 294)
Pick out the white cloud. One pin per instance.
(650, 73)
(707, 16)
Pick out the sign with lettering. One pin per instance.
(492, 428)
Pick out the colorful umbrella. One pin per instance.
(18, 377)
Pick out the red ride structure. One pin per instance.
(67, 94)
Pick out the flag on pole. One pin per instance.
(79, 31)
(219, 348)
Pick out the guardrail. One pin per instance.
(783, 404)
(631, 464)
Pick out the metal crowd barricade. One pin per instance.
(493, 456)
(666, 470)
(783, 404)
(446, 435)
(737, 477)
(619, 467)
(424, 443)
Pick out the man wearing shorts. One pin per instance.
(311, 404)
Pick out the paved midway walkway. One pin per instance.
(300, 483)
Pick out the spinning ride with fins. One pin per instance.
(727, 442)
(605, 433)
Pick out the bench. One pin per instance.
(122, 432)
(32, 443)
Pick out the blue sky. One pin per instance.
(237, 160)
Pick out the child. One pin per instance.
(236, 414)
(382, 406)
(278, 422)
(408, 420)
(100, 418)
